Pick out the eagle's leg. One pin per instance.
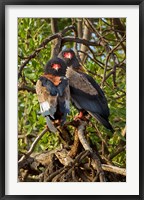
(79, 116)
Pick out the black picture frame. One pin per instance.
(3, 3)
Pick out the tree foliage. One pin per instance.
(100, 45)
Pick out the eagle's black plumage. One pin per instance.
(86, 94)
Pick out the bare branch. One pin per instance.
(79, 27)
(95, 160)
(114, 169)
(54, 29)
(114, 58)
(119, 150)
(102, 40)
(78, 40)
(75, 146)
(117, 23)
(25, 87)
(54, 25)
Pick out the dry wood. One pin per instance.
(114, 169)
(95, 160)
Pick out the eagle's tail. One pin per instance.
(50, 125)
(104, 122)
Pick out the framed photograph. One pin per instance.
(71, 90)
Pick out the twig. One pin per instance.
(25, 87)
(50, 177)
(95, 178)
(100, 135)
(102, 40)
(119, 150)
(98, 61)
(77, 161)
(110, 53)
(106, 160)
(97, 165)
(69, 164)
(34, 54)
(32, 146)
(68, 28)
(93, 59)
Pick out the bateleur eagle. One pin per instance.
(85, 93)
(53, 92)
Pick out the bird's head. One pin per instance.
(68, 55)
(56, 67)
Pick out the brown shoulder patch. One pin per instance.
(55, 79)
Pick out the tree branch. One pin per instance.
(114, 169)
(25, 87)
(87, 36)
(78, 40)
(95, 160)
(35, 53)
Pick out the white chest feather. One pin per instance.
(47, 109)
(44, 106)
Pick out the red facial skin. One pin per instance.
(56, 66)
(68, 55)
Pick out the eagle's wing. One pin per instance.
(87, 95)
(86, 92)
(100, 96)
(64, 98)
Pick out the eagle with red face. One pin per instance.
(86, 94)
(53, 93)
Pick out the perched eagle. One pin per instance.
(85, 93)
(53, 92)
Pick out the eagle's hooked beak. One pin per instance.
(69, 55)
